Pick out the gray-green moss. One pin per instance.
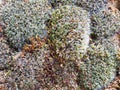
(68, 37)
(99, 65)
(91, 5)
(27, 70)
(6, 61)
(104, 24)
(24, 20)
(59, 3)
(69, 29)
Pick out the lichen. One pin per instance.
(69, 32)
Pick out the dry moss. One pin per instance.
(69, 32)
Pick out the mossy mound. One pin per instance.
(104, 25)
(24, 20)
(70, 39)
(69, 29)
(59, 3)
(99, 65)
(91, 5)
(26, 69)
(6, 61)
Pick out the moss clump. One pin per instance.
(27, 70)
(117, 41)
(6, 61)
(91, 5)
(104, 24)
(24, 20)
(69, 32)
(99, 65)
(59, 3)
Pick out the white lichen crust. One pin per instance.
(69, 29)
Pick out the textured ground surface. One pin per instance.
(24, 72)
(31, 72)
